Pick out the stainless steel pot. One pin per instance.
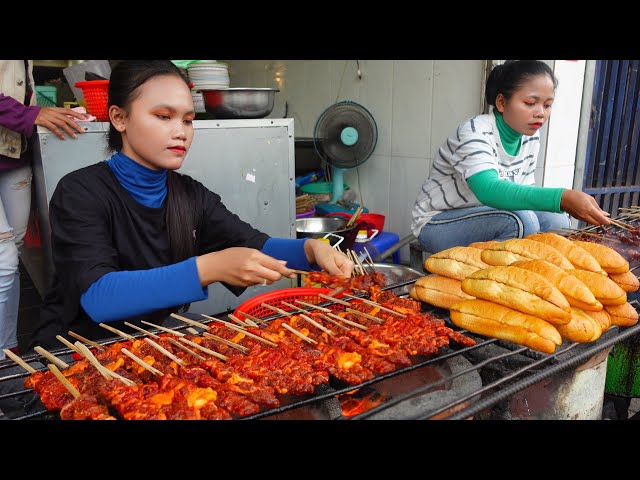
(318, 227)
(230, 103)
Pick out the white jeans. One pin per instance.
(15, 205)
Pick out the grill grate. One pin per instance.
(515, 367)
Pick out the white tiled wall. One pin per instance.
(415, 103)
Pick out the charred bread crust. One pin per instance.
(519, 289)
(582, 328)
(606, 291)
(610, 260)
(497, 321)
(575, 291)
(626, 281)
(577, 255)
(622, 315)
(455, 262)
(532, 250)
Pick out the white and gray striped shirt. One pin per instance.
(473, 148)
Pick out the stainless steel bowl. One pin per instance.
(231, 103)
(318, 227)
(398, 273)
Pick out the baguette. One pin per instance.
(622, 315)
(497, 321)
(438, 291)
(581, 329)
(610, 260)
(606, 291)
(529, 250)
(626, 281)
(519, 289)
(577, 255)
(575, 291)
(501, 258)
(482, 245)
(455, 262)
(603, 318)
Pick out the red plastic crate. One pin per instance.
(275, 298)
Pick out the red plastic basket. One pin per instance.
(276, 297)
(96, 95)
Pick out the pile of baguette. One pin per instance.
(535, 291)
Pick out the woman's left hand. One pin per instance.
(328, 258)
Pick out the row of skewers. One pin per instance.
(232, 370)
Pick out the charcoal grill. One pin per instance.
(459, 383)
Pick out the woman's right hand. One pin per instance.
(583, 207)
(241, 267)
(57, 120)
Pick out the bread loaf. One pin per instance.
(455, 262)
(438, 291)
(577, 255)
(610, 260)
(582, 328)
(622, 315)
(626, 281)
(521, 290)
(501, 258)
(525, 249)
(606, 291)
(497, 321)
(603, 318)
(576, 292)
(482, 245)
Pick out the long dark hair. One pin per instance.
(508, 77)
(125, 79)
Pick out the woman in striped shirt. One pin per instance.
(481, 185)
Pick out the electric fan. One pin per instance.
(345, 135)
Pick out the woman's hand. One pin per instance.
(241, 267)
(328, 258)
(57, 119)
(583, 207)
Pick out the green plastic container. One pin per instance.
(321, 191)
(47, 96)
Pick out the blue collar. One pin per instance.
(149, 187)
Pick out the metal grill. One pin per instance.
(505, 368)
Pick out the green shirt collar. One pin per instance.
(509, 137)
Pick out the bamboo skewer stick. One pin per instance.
(141, 362)
(622, 225)
(316, 324)
(299, 272)
(308, 319)
(372, 263)
(177, 344)
(104, 371)
(190, 322)
(18, 360)
(166, 352)
(229, 343)
(120, 333)
(69, 386)
(254, 318)
(332, 321)
(337, 300)
(276, 309)
(52, 358)
(322, 309)
(205, 349)
(365, 315)
(357, 258)
(193, 331)
(86, 340)
(348, 322)
(238, 321)
(297, 333)
(86, 353)
(142, 330)
(164, 329)
(374, 304)
(68, 344)
(238, 329)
